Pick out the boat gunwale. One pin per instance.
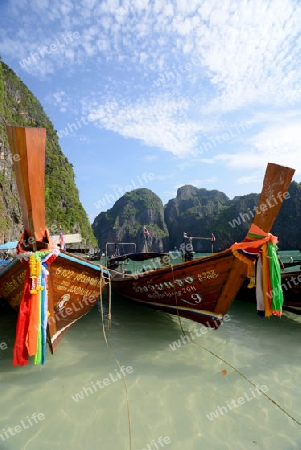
(63, 255)
(83, 262)
(170, 268)
(8, 266)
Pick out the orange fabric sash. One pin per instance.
(258, 240)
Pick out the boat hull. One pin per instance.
(74, 286)
(201, 290)
(291, 288)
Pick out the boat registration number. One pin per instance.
(208, 275)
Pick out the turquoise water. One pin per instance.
(193, 397)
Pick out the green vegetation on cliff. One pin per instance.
(199, 213)
(124, 222)
(18, 106)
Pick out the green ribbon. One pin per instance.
(275, 278)
(38, 355)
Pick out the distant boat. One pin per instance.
(290, 283)
(10, 247)
(4, 262)
(204, 288)
(291, 287)
(292, 263)
(49, 288)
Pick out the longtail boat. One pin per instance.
(203, 289)
(291, 288)
(289, 284)
(49, 288)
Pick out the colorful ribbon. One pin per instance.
(31, 332)
(265, 244)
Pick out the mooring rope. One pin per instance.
(102, 280)
(110, 304)
(247, 379)
(226, 362)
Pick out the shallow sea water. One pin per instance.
(170, 393)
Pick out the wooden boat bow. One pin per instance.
(50, 289)
(276, 182)
(27, 146)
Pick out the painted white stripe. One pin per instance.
(56, 335)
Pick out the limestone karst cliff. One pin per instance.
(18, 106)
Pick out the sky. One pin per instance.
(157, 94)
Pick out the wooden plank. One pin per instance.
(27, 146)
(276, 182)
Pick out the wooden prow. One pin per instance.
(276, 182)
(27, 146)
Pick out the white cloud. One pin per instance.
(199, 183)
(249, 50)
(247, 179)
(279, 140)
(155, 122)
(246, 53)
(279, 144)
(58, 99)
